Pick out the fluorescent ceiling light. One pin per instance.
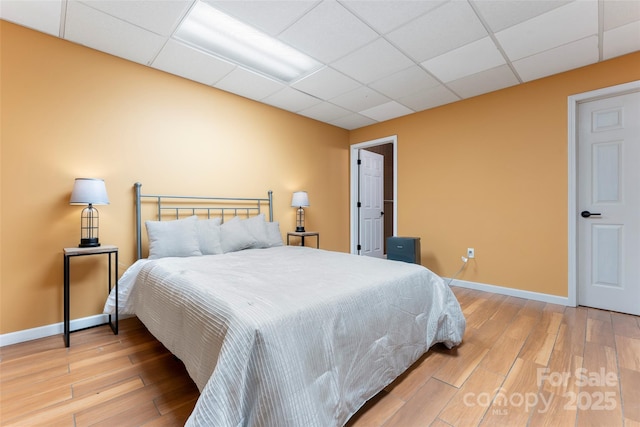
(216, 33)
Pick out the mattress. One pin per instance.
(289, 336)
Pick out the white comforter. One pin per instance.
(290, 336)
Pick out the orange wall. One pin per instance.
(69, 111)
(491, 173)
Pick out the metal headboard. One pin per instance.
(174, 207)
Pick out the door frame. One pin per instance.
(353, 161)
(572, 182)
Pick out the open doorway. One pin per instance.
(386, 147)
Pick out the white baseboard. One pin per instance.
(536, 296)
(50, 330)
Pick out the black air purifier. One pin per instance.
(405, 249)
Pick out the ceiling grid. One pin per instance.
(377, 59)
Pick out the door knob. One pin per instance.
(587, 214)
(381, 213)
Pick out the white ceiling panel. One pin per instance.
(291, 100)
(43, 16)
(501, 14)
(354, 121)
(405, 82)
(92, 28)
(447, 27)
(328, 32)
(248, 84)
(389, 110)
(553, 61)
(325, 112)
(484, 82)
(184, 61)
(373, 61)
(160, 17)
(429, 98)
(360, 99)
(620, 12)
(326, 83)
(384, 57)
(621, 40)
(550, 30)
(269, 16)
(384, 16)
(466, 60)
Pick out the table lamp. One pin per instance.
(89, 191)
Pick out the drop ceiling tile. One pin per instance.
(291, 100)
(97, 30)
(353, 121)
(621, 40)
(184, 61)
(540, 37)
(405, 82)
(384, 16)
(360, 99)
(373, 61)
(619, 13)
(484, 82)
(573, 55)
(325, 112)
(445, 28)
(429, 98)
(560, 26)
(161, 17)
(466, 60)
(43, 16)
(328, 32)
(248, 84)
(325, 84)
(270, 16)
(387, 111)
(501, 14)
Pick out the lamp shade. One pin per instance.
(89, 191)
(300, 199)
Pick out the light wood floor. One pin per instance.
(521, 363)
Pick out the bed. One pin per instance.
(276, 335)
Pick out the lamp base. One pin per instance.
(89, 243)
(299, 229)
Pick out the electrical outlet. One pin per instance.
(471, 253)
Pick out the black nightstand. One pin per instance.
(303, 234)
(73, 252)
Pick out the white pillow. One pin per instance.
(234, 236)
(257, 227)
(209, 236)
(274, 235)
(176, 238)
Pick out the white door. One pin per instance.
(609, 203)
(371, 203)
